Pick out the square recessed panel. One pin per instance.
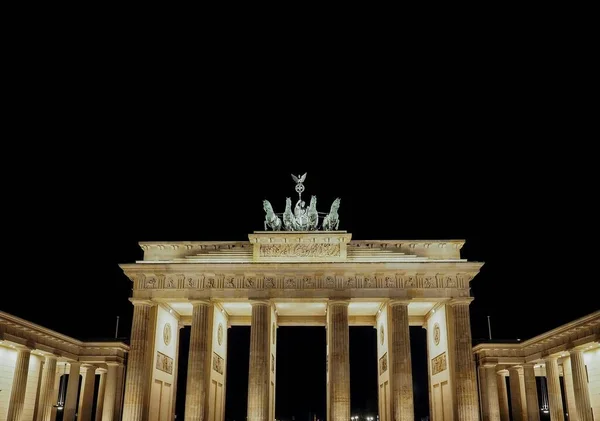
(184, 309)
(301, 309)
(419, 308)
(359, 308)
(238, 308)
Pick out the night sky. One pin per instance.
(75, 212)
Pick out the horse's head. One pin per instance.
(313, 202)
(267, 206)
(288, 203)
(336, 204)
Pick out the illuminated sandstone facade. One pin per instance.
(318, 278)
(33, 360)
(570, 352)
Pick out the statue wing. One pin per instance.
(296, 179)
(303, 178)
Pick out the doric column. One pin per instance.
(489, 393)
(198, 376)
(110, 393)
(120, 392)
(139, 364)
(72, 390)
(465, 379)
(502, 396)
(569, 390)
(554, 394)
(48, 378)
(258, 376)
(339, 360)
(531, 396)
(400, 361)
(176, 368)
(87, 393)
(100, 397)
(519, 408)
(19, 385)
(582, 395)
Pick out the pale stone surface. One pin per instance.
(110, 393)
(72, 390)
(554, 393)
(139, 364)
(260, 362)
(196, 397)
(569, 389)
(100, 396)
(47, 387)
(533, 408)
(519, 408)
(400, 361)
(503, 397)
(87, 393)
(17, 393)
(467, 396)
(580, 385)
(339, 361)
(489, 393)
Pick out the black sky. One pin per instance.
(74, 211)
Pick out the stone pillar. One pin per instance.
(531, 396)
(47, 389)
(100, 397)
(463, 366)
(19, 385)
(199, 358)
(258, 376)
(569, 390)
(110, 393)
(554, 394)
(176, 368)
(502, 397)
(519, 408)
(580, 385)
(139, 364)
(72, 391)
(87, 393)
(120, 391)
(489, 393)
(400, 361)
(339, 360)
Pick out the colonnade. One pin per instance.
(523, 389)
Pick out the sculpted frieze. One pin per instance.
(391, 280)
(300, 250)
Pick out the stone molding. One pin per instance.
(21, 332)
(552, 344)
(148, 279)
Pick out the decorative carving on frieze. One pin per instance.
(193, 281)
(151, 283)
(369, 282)
(290, 282)
(439, 364)
(300, 250)
(390, 281)
(164, 363)
(350, 282)
(229, 281)
(210, 282)
(308, 282)
(250, 282)
(270, 282)
(329, 281)
(410, 281)
(450, 282)
(383, 364)
(218, 363)
(429, 282)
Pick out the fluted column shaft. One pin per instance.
(519, 409)
(582, 394)
(571, 408)
(258, 375)
(196, 395)
(465, 378)
(48, 378)
(502, 397)
(19, 385)
(554, 393)
(339, 361)
(100, 397)
(72, 390)
(87, 394)
(531, 396)
(138, 370)
(489, 393)
(110, 393)
(400, 361)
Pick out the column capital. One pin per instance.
(343, 302)
(460, 301)
(200, 302)
(101, 370)
(114, 364)
(88, 367)
(260, 303)
(531, 364)
(141, 302)
(398, 302)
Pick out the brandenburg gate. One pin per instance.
(301, 270)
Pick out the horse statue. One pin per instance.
(271, 219)
(313, 215)
(288, 216)
(332, 219)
